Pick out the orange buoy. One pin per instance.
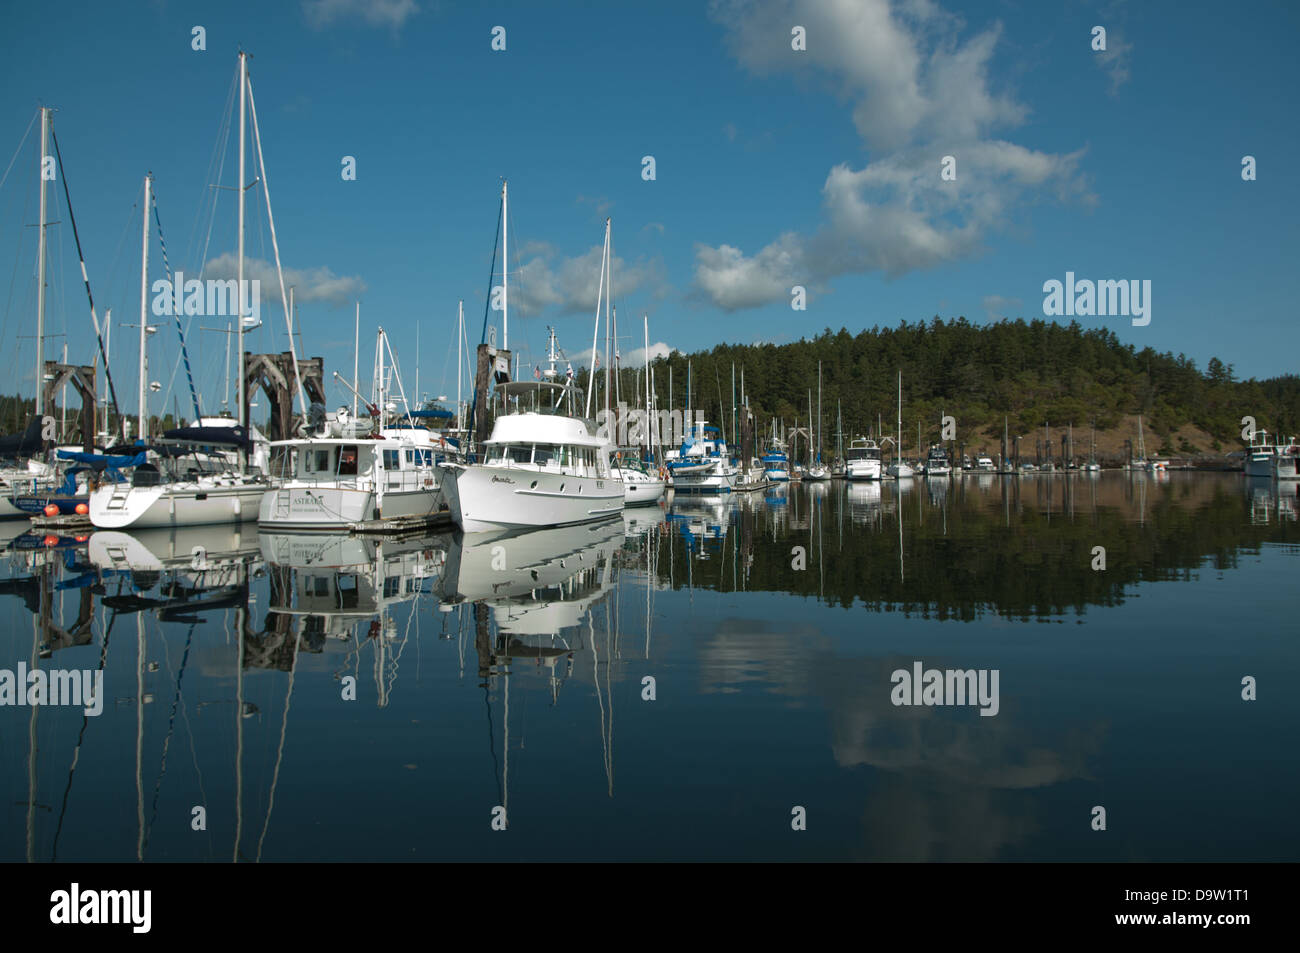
(82, 509)
(51, 509)
(51, 541)
(81, 539)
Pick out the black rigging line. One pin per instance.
(85, 720)
(84, 277)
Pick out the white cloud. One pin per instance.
(998, 307)
(919, 93)
(389, 13)
(546, 279)
(309, 284)
(732, 281)
(627, 359)
(1116, 59)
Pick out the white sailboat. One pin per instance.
(641, 487)
(900, 470)
(1092, 466)
(817, 471)
(199, 487)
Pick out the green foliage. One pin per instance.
(1032, 372)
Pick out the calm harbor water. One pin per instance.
(509, 676)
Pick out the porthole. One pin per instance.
(533, 485)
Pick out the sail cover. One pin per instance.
(210, 436)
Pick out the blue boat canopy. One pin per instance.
(102, 461)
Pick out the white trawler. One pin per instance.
(1267, 457)
(354, 473)
(863, 460)
(543, 465)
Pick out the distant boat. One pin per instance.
(1140, 461)
(1005, 466)
(937, 463)
(1284, 463)
(641, 486)
(1151, 466)
(898, 469)
(1264, 458)
(816, 471)
(984, 464)
(864, 462)
(702, 463)
(776, 465)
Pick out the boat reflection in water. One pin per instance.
(336, 584)
(196, 569)
(534, 584)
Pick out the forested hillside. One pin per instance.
(1032, 372)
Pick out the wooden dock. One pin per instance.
(404, 525)
(66, 525)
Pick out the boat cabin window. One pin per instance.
(317, 461)
(348, 461)
(392, 459)
(520, 454)
(543, 454)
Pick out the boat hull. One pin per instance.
(714, 479)
(334, 508)
(861, 470)
(643, 492)
(496, 498)
(145, 507)
(34, 504)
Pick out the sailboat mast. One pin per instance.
(505, 268)
(645, 331)
(595, 330)
(239, 278)
(811, 432)
(900, 417)
(609, 293)
(143, 417)
(40, 272)
(460, 358)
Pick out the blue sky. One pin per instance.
(774, 168)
